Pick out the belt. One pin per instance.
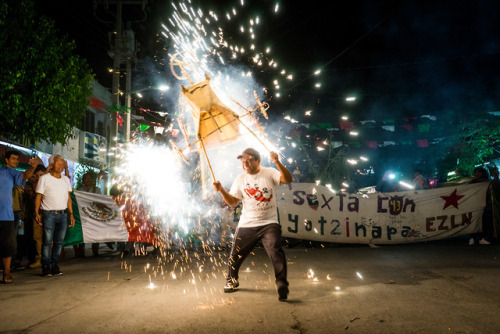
(57, 212)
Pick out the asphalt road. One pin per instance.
(439, 287)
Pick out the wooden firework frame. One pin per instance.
(211, 116)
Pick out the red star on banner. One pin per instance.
(452, 199)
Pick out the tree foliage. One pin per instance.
(474, 143)
(44, 86)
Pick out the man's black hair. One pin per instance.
(40, 167)
(11, 152)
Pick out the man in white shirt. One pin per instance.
(52, 205)
(259, 218)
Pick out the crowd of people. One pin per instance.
(35, 212)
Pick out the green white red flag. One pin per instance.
(101, 218)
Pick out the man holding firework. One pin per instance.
(255, 188)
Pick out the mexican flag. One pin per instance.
(101, 218)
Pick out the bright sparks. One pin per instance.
(153, 170)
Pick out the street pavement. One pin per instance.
(438, 287)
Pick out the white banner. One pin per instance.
(311, 212)
(101, 218)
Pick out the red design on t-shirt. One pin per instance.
(257, 194)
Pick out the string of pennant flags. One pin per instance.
(419, 126)
(124, 109)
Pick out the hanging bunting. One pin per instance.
(346, 125)
(424, 128)
(320, 126)
(355, 144)
(422, 143)
(96, 103)
(120, 108)
(407, 126)
(336, 144)
(388, 127)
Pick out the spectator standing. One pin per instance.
(33, 231)
(296, 175)
(52, 205)
(419, 181)
(480, 175)
(494, 197)
(387, 184)
(10, 177)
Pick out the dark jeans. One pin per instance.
(54, 231)
(245, 240)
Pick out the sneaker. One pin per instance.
(55, 270)
(471, 242)
(483, 241)
(231, 285)
(46, 272)
(282, 292)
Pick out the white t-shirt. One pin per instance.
(55, 192)
(257, 193)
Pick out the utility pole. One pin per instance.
(123, 51)
(115, 100)
(128, 100)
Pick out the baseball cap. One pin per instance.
(251, 152)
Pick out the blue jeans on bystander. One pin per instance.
(54, 231)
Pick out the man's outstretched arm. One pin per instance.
(228, 198)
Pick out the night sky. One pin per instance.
(402, 59)
(398, 57)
